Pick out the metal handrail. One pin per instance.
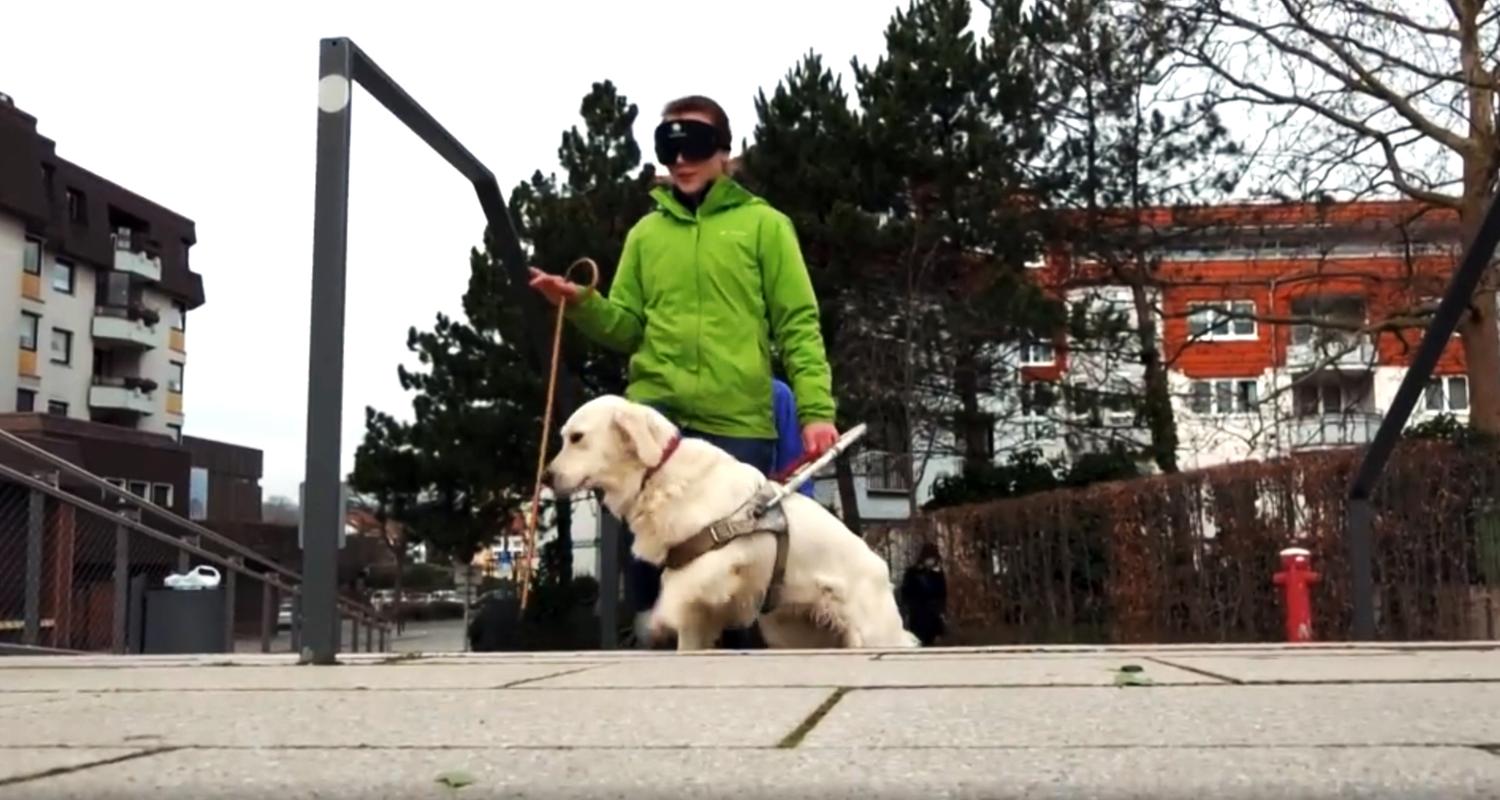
(109, 489)
(48, 489)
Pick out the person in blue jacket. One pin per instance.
(788, 447)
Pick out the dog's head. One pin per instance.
(609, 443)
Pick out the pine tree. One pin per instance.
(952, 139)
(805, 161)
(908, 207)
(478, 397)
(605, 194)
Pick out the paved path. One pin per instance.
(446, 636)
(1215, 722)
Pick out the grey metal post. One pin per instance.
(122, 587)
(383, 641)
(370, 625)
(609, 581)
(340, 62)
(35, 522)
(267, 615)
(325, 360)
(231, 575)
(296, 632)
(1359, 515)
(1360, 527)
(184, 558)
(354, 633)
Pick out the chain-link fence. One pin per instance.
(83, 565)
(1190, 557)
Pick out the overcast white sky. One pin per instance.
(210, 110)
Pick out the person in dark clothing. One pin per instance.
(494, 626)
(924, 596)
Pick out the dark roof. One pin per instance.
(34, 185)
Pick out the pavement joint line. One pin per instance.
(529, 684)
(67, 770)
(1493, 749)
(791, 740)
(523, 681)
(1195, 670)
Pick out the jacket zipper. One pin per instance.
(698, 282)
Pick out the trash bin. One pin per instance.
(184, 621)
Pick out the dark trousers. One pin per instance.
(643, 579)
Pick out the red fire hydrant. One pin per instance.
(1295, 576)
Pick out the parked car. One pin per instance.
(284, 615)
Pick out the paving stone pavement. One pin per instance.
(1377, 721)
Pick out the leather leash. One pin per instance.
(524, 566)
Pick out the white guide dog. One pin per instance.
(835, 592)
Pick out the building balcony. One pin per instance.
(1332, 352)
(134, 260)
(1326, 431)
(130, 395)
(125, 327)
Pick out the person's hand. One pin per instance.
(555, 288)
(817, 437)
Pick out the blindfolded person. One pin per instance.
(708, 282)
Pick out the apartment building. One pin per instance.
(99, 294)
(1283, 328)
(101, 290)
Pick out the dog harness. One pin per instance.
(754, 516)
(762, 513)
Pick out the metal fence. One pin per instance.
(82, 566)
(1190, 557)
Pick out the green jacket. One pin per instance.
(697, 301)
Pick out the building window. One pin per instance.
(62, 276)
(77, 207)
(1037, 353)
(161, 494)
(25, 400)
(175, 431)
(31, 257)
(138, 488)
(1347, 396)
(57, 408)
(174, 377)
(1222, 321)
(118, 483)
(62, 346)
(29, 324)
(179, 315)
(1037, 398)
(1447, 394)
(1232, 396)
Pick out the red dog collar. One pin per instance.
(666, 453)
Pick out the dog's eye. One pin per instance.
(575, 438)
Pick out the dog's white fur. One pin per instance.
(836, 592)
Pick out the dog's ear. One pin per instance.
(643, 434)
